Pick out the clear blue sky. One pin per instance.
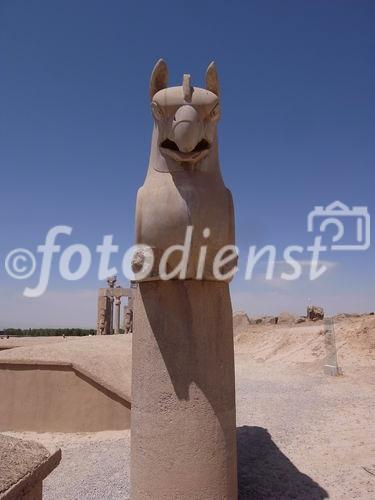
(297, 130)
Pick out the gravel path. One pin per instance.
(92, 468)
(304, 434)
(301, 435)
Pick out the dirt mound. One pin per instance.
(355, 339)
(305, 343)
(285, 317)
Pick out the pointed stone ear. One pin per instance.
(159, 77)
(212, 80)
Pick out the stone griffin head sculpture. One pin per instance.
(184, 212)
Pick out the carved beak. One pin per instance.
(186, 129)
(186, 141)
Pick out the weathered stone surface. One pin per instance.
(75, 385)
(23, 466)
(241, 323)
(183, 440)
(55, 398)
(183, 404)
(107, 297)
(301, 319)
(128, 319)
(103, 321)
(265, 320)
(184, 186)
(315, 313)
(105, 360)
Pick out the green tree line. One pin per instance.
(48, 332)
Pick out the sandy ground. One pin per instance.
(29, 341)
(301, 434)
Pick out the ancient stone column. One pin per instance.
(128, 319)
(103, 321)
(183, 425)
(111, 284)
(117, 314)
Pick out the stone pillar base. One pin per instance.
(183, 422)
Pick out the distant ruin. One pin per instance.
(109, 308)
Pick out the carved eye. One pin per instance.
(215, 112)
(157, 111)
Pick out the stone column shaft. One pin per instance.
(103, 321)
(183, 438)
(117, 315)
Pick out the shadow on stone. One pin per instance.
(264, 472)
